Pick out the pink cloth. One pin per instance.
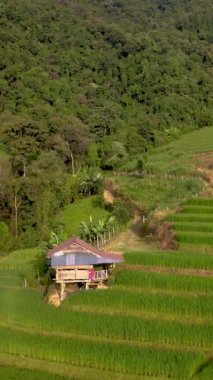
(92, 274)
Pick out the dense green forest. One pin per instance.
(86, 85)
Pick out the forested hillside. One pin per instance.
(90, 83)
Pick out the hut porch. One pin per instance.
(81, 274)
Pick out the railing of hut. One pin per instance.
(82, 275)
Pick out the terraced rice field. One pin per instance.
(154, 322)
(194, 224)
(171, 259)
(13, 373)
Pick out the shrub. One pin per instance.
(6, 239)
(184, 188)
(122, 210)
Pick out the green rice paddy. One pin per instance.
(122, 358)
(195, 237)
(156, 325)
(166, 282)
(155, 320)
(171, 259)
(194, 209)
(200, 202)
(194, 224)
(194, 218)
(70, 323)
(15, 373)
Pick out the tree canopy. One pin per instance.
(110, 64)
(91, 83)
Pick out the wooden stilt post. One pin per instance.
(62, 290)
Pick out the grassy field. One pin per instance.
(178, 157)
(198, 141)
(3, 154)
(80, 211)
(170, 172)
(19, 259)
(147, 324)
(155, 320)
(159, 192)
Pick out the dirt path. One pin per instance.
(108, 197)
(128, 240)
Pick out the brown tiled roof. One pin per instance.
(86, 246)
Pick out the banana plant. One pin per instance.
(92, 230)
(92, 183)
(56, 237)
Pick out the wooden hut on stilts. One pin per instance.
(78, 262)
